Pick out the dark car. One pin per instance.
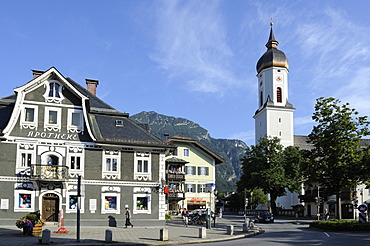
(264, 217)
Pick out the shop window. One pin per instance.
(23, 201)
(110, 203)
(142, 203)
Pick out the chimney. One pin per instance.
(37, 73)
(91, 85)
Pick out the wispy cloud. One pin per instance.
(192, 45)
(247, 137)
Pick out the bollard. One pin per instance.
(163, 234)
(202, 232)
(230, 230)
(108, 236)
(45, 239)
(245, 227)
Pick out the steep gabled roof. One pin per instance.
(183, 139)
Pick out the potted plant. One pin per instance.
(28, 222)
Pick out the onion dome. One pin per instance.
(272, 57)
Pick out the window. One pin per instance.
(53, 117)
(111, 164)
(190, 187)
(26, 159)
(186, 153)
(142, 204)
(52, 160)
(75, 120)
(24, 201)
(72, 203)
(75, 162)
(204, 171)
(261, 98)
(190, 170)
(278, 95)
(142, 168)
(202, 188)
(119, 122)
(174, 152)
(279, 120)
(30, 115)
(110, 203)
(54, 90)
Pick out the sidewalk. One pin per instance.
(177, 234)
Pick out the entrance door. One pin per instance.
(50, 207)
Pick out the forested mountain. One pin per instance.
(232, 150)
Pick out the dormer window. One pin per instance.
(119, 123)
(54, 90)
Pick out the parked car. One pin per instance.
(264, 217)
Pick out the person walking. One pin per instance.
(128, 217)
(185, 217)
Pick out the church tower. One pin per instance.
(274, 116)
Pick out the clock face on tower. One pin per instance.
(279, 79)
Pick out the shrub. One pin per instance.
(168, 217)
(340, 225)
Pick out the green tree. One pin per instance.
(270, 167)
(336, 159)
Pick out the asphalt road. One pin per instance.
(284, 232)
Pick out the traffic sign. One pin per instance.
(362, 208)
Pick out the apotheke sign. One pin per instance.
(52, 135)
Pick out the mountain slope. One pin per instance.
(231, 150)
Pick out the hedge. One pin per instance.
(340, 225)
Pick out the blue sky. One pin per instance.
(192, 59)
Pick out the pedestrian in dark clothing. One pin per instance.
(128, 218)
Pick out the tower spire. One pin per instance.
(272, 43)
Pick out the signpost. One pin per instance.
(362, 208)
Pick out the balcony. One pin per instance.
(175, 195)
(49, 172)
(175, 175)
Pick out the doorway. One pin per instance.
(50, 207)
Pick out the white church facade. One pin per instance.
(274, 116)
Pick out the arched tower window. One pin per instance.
(54, 90)
(278, 95)
(261, 98)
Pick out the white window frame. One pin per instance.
(138, 211)
(202, 188)
(111, 154)
(73, 128)
(29, 124)
(82, 163)
(142, 156)
(19, 159)
(118, 208)
(74, 210)
(47, 90)
(186, 152)
(47, 125)
(16, 201)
